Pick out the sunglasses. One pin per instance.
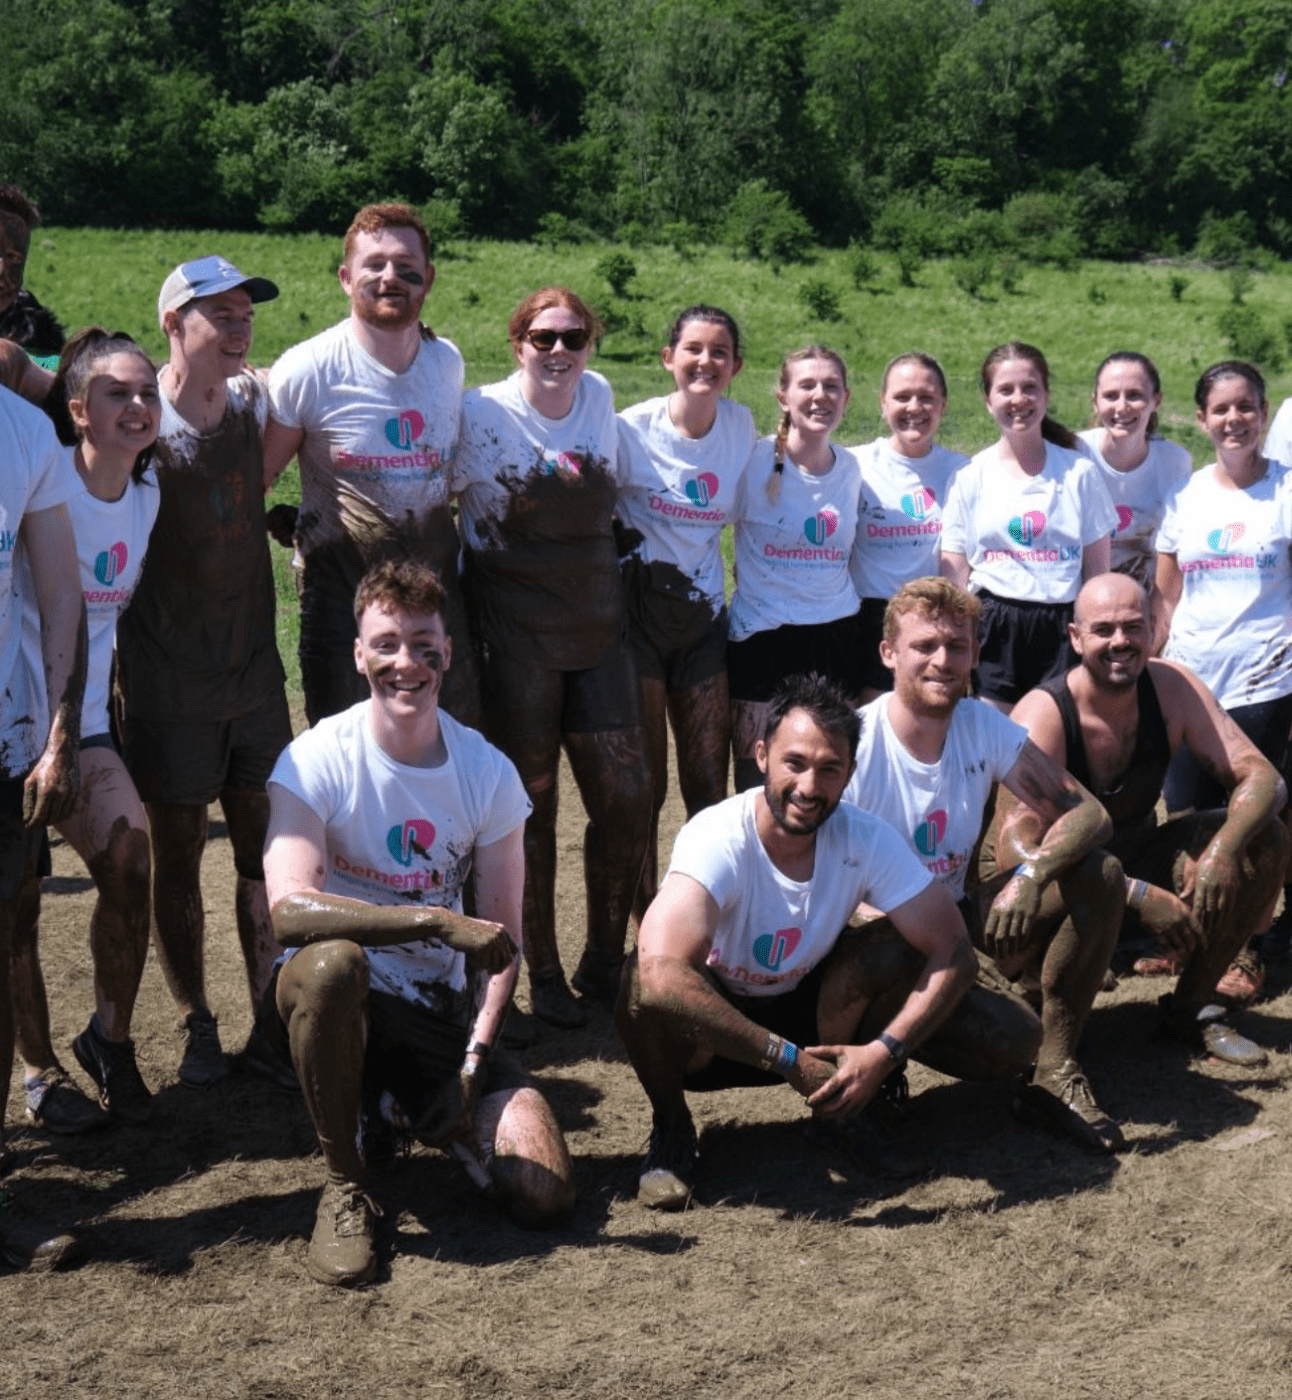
(544, 340)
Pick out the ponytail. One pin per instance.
(778, 458)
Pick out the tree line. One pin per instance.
(1060, 128)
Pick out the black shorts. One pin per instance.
(1022, 644)
(185, 763)
(1267, 725)
(675, 637)
(20, 845)
(604, 698)
(870, 632)
(757, 665)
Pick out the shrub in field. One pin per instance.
(1096, 295)
(909, 262)
(555, 229)
(1043, 227)
(1009, 272)
(443, 220)
(1225, 242)
(684, 237)
(618, 269)
(821, 299)
(762, 223)
(1240, 283)
(1249, 337)
(972, 272)
(862, 265)
(908, 220)
(634, 233)
(1178, 285)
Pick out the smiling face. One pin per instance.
(1017, 398)
(214, 333)
(404, 656)
(1111, 632)
(815, 396)
(805, 770)
(387, 277)
(549, 378)
(1125, 400)
(931, 659)
(120, 413)
(1234, 417)
(704, 361)
(912, 403)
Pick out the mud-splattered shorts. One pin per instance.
(521, 699)
(757, 665)
(673, 634)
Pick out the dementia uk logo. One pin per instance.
(1025, 528)
(700, 490)
(404, 430)
(565, 464)
(917, 504)
(819, 527)
(771, 949)
(1223, 540)
(110, 563)
(411, 838)
(930, 832)
(1124, 517)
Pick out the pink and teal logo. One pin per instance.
(1124, 517)
(566, 464)
(928, 835)
(110, 563)
(411, 838)
(404, 430)
(1025, 528)
(1223, 540)
(819, 527)
(771, 949)
(917, 504)
(700, 490)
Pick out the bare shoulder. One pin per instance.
(1038, 713)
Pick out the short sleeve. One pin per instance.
(304, 770)
(1168, 534)
(510, 805)
(287, 392)
(1003, 739)
(1278, 441)
(955, 515)
(54, 480)
(892, 874)
(707, 853)
(1098, 514)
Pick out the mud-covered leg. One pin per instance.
(530, 1166)
(701, 717)
(30, 1005)
(655, 728)
(247, 813)
(748, 720)
(178, 838)
(7, 912)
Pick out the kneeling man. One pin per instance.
(746, 971)
(1204, 883)
(379, 816)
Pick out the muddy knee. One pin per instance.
(123, 871)
(323, 977)
(531, 1168)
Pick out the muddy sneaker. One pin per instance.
(597, 976)
(1066, 1104)
(57, 1105)
(878, 1140)
(111, 1064)
(1244, 979)
(203, 1063)
(668, 1169)
(1204, 1028)
(553, 1001)
(27, 1243)
(341, 1251)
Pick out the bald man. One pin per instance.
(1203, 883)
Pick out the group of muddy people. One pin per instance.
(993, 723)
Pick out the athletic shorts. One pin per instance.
(870, 632)
(20, 846)
(673, 633)
(190, 764)
(596, 701)
(1267, 725)
(757, 666)
(99, 741)
(1022, 644)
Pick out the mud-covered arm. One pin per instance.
(303, 913)
(281, 445)
(50, 791)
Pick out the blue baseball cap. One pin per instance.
(205, 277)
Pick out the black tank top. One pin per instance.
(1132, 798)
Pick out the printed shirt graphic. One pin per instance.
(678, 492)
(1231, 625)
(936, 807)
(537, 499)
(772, 931)
(37, 476)
(1023, 537)
(792, 554)
(1140, 497)
(388, 437)
(403, 835)
(899, 524)
(111, 541)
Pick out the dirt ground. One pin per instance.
(1018, 1268)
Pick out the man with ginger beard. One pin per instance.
(371, 407)
(1202, 883)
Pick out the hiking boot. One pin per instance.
(878, 1140)
(203, 1063)
(27, 1243)
(668, 1169)
(259, 1057)
(341, 1251)
(1244, 979)
(1204, 1028)
(111, 1064)
(1066, 1104)
(57, 1105)
(597, 976)
(553, 1001)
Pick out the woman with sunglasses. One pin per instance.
(538, 478)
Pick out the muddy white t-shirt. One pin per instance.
(899, 524)
(792, 554)
(937, 808)
(388, 437)
(36, 475)
(772, 931)
(537, 498)
(678, 492)
(111, 540)
(403, 835)
(1278, 441)
(1023, 536)
(1139, 496)
(1233, 624)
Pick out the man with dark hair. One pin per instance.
(746, 971)
(927, 763)
(399, 1002)
(371, 406)
(1202, 883)
(22, 318)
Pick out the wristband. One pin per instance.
(1028, 871)
(896, 1048)
(780, 1055)
(1135, 892)
(478, 1047)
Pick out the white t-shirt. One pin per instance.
(1023, 536)
(772, 931)
(678, 492)
(1278, 441)
(36, 476)
(899, 525)
(792, 554)
(111, 540)
(937, 808)
(1231, 626)
(387, 436)
(1139, 496)
(402, 835)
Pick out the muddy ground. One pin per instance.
(1018, 1268)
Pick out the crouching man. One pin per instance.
(391, 1001)
(746, 971)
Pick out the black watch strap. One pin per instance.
(896, 1048)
